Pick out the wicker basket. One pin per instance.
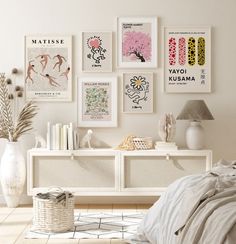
(142, 143)
(50, 216)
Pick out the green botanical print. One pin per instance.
(97, 101)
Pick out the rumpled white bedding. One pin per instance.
(196, 209)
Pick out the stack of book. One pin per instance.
(62, 137)
(165, 146)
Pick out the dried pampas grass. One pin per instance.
(8, 129)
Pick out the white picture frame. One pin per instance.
(97, 102)
(48, 68)
(145, 30)
(137, 92)
(187, 59)
(97, 51)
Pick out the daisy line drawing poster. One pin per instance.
(138, 92)
(187, 59)
(48, 68)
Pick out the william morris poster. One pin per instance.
(187, 65)
(97, 100)
(48, 68)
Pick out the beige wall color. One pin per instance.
(19, 18)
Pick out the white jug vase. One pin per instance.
(12, 173)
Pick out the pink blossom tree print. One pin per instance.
(137, 46)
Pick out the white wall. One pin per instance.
(19, 18)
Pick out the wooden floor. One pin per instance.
(15, 222)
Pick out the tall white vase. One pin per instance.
(12, 173)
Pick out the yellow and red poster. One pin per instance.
(187, 60)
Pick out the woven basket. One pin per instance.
(142, 143)
(50, 216)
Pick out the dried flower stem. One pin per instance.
(6, 114)
(24, 121)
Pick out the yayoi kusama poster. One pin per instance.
(187, 64)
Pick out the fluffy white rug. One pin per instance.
(97, 226)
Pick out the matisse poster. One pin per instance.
(137, 42)
(48, 68)
(187, 64)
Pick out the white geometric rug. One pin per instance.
(97, 226)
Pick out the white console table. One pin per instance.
(109, 172)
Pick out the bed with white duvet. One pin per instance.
(196, 209)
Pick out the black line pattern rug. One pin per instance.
(97, 226)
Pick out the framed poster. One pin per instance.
(187, 59)
(97, 101)
(137, 42)
(138, 92)
(48, 68)
(97, 51)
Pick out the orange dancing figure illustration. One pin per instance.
(59, 62)
(66, 73)
(51, 80)
(29, 71)
(44, 60)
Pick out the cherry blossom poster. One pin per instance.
(138, 92)
(137, 42)
(48, 68)
(97, 51)
(187, 64)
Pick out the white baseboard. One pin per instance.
(25, 199)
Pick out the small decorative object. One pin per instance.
(138, 92)
(137, 42)
(187, 64)
(97, 51)
(195, 111)
(127, 144)
(162, 146)
(40, 142)
(167, 126)
(97, 99)
(86, 140)
(15, 71)
(53, 211)
(48, 68)
(12, 162)
(142, 143)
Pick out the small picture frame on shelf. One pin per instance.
(97, 102)
(137, 42)
(97, 51)
(187, 59)
(48, 68)
(138, 92)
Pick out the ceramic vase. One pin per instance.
(195, 136)
(12, 173)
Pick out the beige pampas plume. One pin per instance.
(8, 129)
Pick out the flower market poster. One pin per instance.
(137, 42)
(187, 64)
(48, 73)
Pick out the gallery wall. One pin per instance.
(27, 17)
